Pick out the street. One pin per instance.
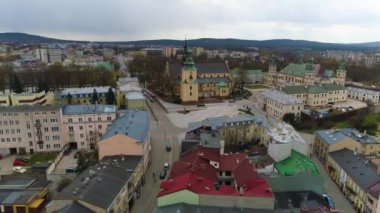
(159, 130)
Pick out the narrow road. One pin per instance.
(159, 131)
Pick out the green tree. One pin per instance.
(42, 86)
(95, 97)
(289, 118)
(69, 98)
(110, 97)
(16, 85)
(82, 163)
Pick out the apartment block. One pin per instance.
(330, 140)
(16, 99)
(82, 95)
(112, 185)
(28, 129)
(277, 103)
(317, 95)
(363, 94)
(84, 125)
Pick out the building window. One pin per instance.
(89, 119)
(80, 119)
(70, 120)
(191, 93)
(57, 146)
(47, 146)
(81, 135)
(109, 118)
(80, 127)
(99, 119)
(30, 143)
(19, 139)
(29, 134)
(99, 126)
(82, 143)
(47, 138)
(41, 146)
(71, 129)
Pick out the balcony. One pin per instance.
(37, 125)
(40, 142)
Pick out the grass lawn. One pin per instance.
(42, 157)
(256, 86)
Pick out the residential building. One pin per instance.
(252, 76)
(353, 175)
(42, 55)
(303, 74)
(373, 193)
(277, 103)
(84, 125)
(279, 137)
(197, 51)
(55, 55)
(317, 95)
(326, 141)
(20, 194)
(112, 185)
(108, 53)
(82, 95)
(170, 51)
(206, 176)
(128, 134)
(129, 94)
(192, 81)
(16, 99)
(363, 94)
(28, 129)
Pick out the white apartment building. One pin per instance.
(277, 103)
(27, 129)
(55, 55)
(84, 125)
(363, 94)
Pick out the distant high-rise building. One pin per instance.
(170, 51)
(49, 55)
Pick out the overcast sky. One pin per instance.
(123, 20)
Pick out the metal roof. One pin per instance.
(364, 91)
(332, 136)
(134, 123)
(88, 109)
(281, 97)
(356, 168)
(85, 90)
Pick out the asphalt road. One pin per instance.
(161, 130)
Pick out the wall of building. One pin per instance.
(238, 201)
(183, 196)
(119, 144)
(136, 104)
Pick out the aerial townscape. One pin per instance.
(186, 125)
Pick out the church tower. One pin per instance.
(189, 85)
(341, 72)
(271, 77)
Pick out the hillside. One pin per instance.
(205, 42)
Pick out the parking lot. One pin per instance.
(67, 161)
(6, 164)
(350, 102)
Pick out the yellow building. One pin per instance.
(303, 74)
(4, 100)
(327, 141)
(16, 99)
(194, 81)
(353, 175)
(317, 95)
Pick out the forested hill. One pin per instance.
(204, 42)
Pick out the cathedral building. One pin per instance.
(192, 82)
(303, 74)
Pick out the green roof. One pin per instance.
(298, 69)
(295, 164)
(105, 65)
(235, 72)
(303, 181)
(329, 73)
(314, 89)
(222, 84)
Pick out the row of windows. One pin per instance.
(48, 146)
(11, 122)
(9, 131)
(8, 140)
(109, 118)
(71, 128)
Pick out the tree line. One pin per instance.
(54, 77)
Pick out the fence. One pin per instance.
(56, 161)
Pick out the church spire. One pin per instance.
(342, 64)
(273, 61)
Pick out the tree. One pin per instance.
(42, 86)
(82, 163)
(95, 97)
(110, 97)
(16, 85)
(289, 118)
(69, 99)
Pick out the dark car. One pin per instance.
(71, 170)
(66, 152)
(77, 154)
(168, 147)
(163, 174)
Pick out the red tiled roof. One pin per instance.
(195, 173)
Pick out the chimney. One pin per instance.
(221, 147)
(241, 190)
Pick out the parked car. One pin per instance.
(18, 162)
(166, 166)
(168, 147)
(67, 151)
(19, 169)
(71, 170)
(163, 174)
(77, 154)
(25, 160)
(329, 201)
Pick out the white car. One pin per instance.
(19, 169)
